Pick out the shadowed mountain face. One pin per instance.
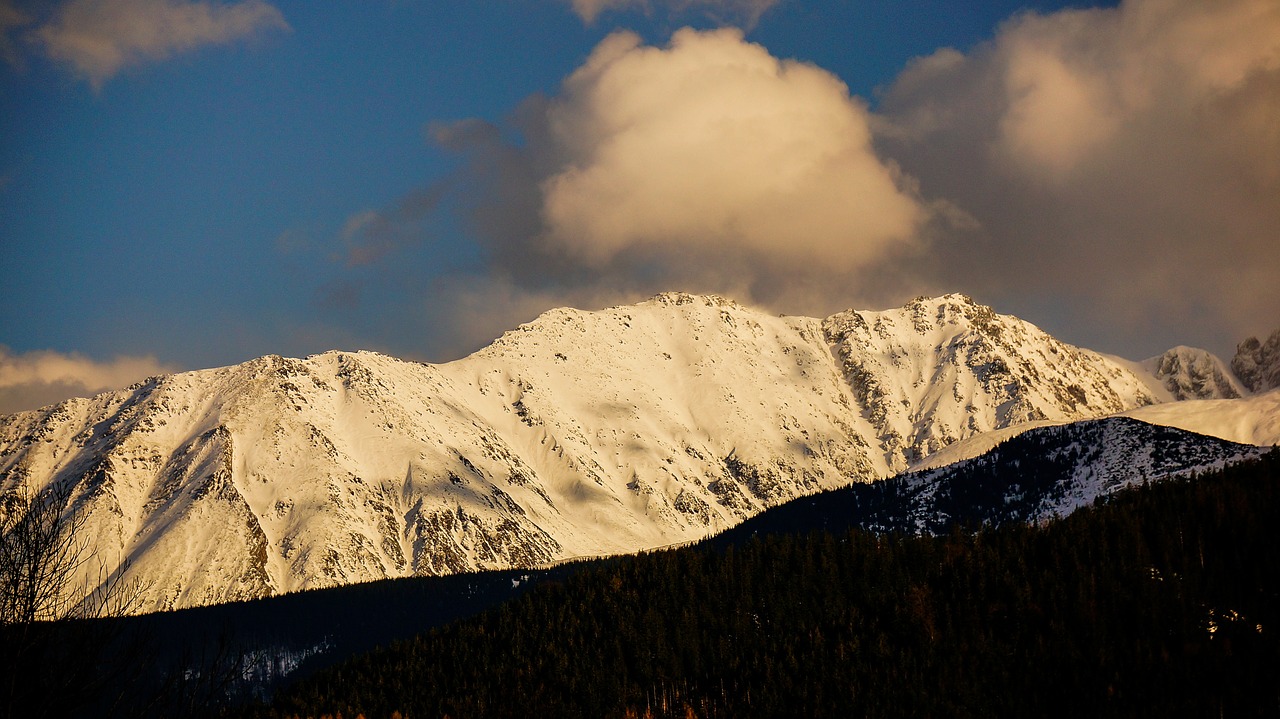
(1044, 472)
(578, 434)
(1257, 363)
(1041, 474)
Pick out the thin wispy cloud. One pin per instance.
(743, 13)
(11, 20)
(34, 379)
(370, 235)
(97, 39)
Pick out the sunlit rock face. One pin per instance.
(1190, 373)
(577, 434)
(939, 370)
(1257, 363)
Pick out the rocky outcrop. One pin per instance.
(1257, 363)
(1190, 373)
(939, 370)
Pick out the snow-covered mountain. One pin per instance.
(1257, 364)
(1190, 373)
(580, 433)
(1042, 473)
(1250, 420)
(936, 371)
(1049, 472)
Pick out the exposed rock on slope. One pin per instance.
(1049, 472)
(580, 433)
(1190, 373)
(1257, 364)
(939, 370)
(1040, 474)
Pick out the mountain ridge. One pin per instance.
(579, 433)
(1044, 473)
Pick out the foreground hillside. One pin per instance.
(1039, 475)
(1160, 602)
(578, 434)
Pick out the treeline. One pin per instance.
(1162, 601)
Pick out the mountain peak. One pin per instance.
(941, 369)
(1193, 373)
(955, 300)
(579, 433)
(675, 299)
(959, 310)
(1257, 363)
(952, 312)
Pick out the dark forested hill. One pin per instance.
(1163, 600)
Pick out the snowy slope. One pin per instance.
(1045, 472)
(580, 433)
(940, 370)
(1191, 373)
(1251, 420)
(1051, 471)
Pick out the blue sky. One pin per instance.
(292, 177)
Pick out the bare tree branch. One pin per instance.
(49, 656)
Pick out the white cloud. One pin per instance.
(38, 378)
(714, 146)
(370, 235)
(740, 12)
(1125, 157)
(706, 165)
(98, 38)
(1113, 172)
(1057, 112)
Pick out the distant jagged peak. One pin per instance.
(951, 301)
(952, 313)
(676, 299)
(925, 313)
(558, 320)
(956, 309)
(1257, 363)
(1194, 373)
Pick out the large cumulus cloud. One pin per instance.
(707, 164)
(1123, 162)
(714, 146)
(1113, 174)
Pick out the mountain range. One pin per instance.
(584, 434)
